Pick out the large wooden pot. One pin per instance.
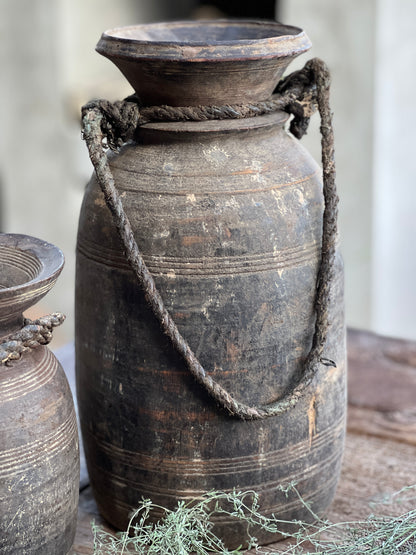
(228, 216)
(39, 456)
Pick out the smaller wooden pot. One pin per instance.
(39, 452)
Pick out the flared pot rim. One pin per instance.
(254, 39)
(41, 262)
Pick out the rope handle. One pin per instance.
(33, 334)
(110, 125)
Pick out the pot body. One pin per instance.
(39, 459)
(39, 452)
(228, 217)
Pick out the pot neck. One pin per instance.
(189, 130)
(11, 325)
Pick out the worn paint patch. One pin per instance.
(168, 168)
(332, 374)
(232, 352)
(99, 201)
(161, 234)
(254, 170)
(312, 419)
(300, 197)
(216, 155)
(190, 240)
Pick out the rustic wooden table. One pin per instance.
(380, 450)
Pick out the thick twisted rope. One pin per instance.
(32, 335)
(119, 120)
(105, 124)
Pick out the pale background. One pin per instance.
(49, 69)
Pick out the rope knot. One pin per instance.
(34, 333)
(119, 120)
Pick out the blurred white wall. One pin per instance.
(394, 182)
(49, 68)
(370, 47)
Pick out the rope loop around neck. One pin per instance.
(33, 334)
(296, 94)
(106, 124)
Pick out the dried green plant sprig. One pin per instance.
(188, 529)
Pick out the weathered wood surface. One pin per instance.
(226, 274)
(380, 450)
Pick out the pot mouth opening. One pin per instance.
(204, 41)
(27, 262)
(204, 32)
(17, 267)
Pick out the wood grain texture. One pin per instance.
(382, 387)
(380, 448)
(231, 224)
(39, 457)
(382, 372)
(164, 67)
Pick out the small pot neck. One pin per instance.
(11, 326)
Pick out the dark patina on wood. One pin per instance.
(39, 456)
(190, 63)
(379, 457)
(228, 216)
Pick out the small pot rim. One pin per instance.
(50, 258)
(281, 41)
